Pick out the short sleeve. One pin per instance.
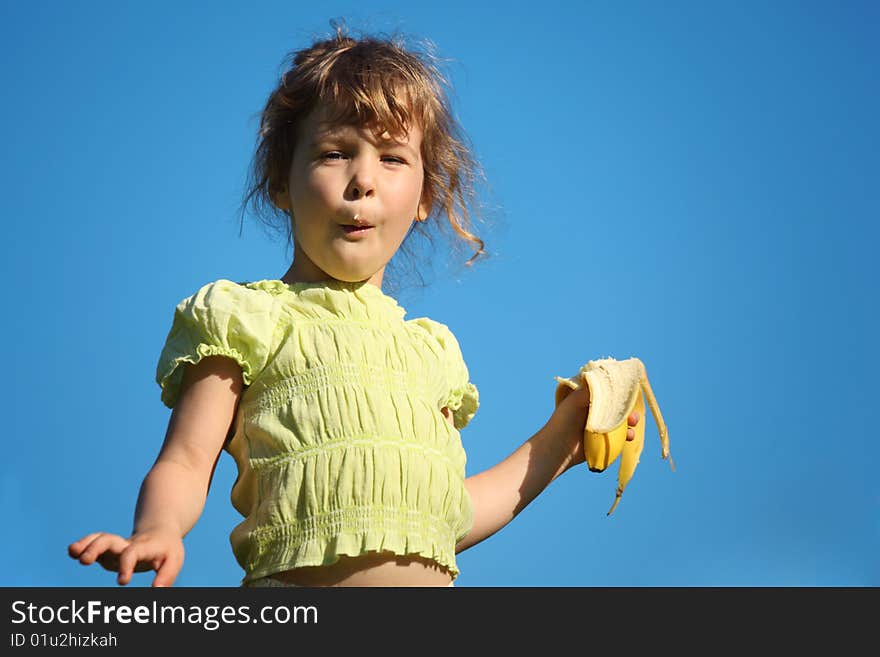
(463, 398)
(221, 319)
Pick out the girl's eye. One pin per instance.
(339, 155)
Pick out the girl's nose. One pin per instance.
(362, 182)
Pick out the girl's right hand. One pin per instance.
(161, 551)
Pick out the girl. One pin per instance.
(342, 417)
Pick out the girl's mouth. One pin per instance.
(355, 229)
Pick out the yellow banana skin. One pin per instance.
(616, 390)
(630, 453)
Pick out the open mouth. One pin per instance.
(355, 229)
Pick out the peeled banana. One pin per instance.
(616, 388)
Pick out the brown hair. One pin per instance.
(375, 82)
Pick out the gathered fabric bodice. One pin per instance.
(339, 438)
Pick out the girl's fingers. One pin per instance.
(109, 561)
(76, 548)
(120, 555)
(127, 562)
(632, 421)
(138, 558)
(99, 546)
(167, 572)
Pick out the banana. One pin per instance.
(616, 390)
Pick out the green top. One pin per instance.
(339, 440)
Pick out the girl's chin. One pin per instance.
(352, 274)
(352, 270)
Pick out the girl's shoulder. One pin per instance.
(223, 287)
(228, 297)
(222, 318)
(463, 398)
(440, 335)
(435, 330)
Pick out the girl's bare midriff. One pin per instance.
(382, 569)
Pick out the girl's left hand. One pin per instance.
(569, 419)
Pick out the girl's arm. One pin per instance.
(501, 492)
(173, 493)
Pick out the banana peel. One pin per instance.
(617, 388)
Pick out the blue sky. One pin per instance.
(692, 183)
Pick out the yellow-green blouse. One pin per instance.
(339, 438)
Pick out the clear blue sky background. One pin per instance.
(692, 183)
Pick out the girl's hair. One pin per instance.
(375, 82)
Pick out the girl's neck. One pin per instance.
(303, 270)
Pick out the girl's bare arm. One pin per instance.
(173, 493)
(501, 492)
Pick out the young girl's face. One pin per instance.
(337, 172)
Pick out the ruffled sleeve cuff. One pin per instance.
(463, 402)
(221, 319)
(462, 397)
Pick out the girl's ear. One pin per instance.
(281, 200)
(424, 208)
